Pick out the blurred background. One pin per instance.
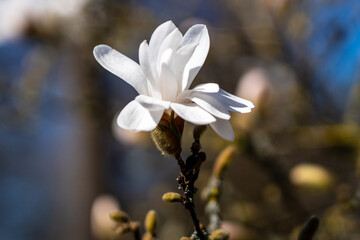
(64, 164)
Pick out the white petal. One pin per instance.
(157, 38)
(239, 109)
(121, 66)
(237, 99)
(167, 81)
(159, 34)
(193, 113)
(172, 41)
(182, 56)
(152, 103)
(210, 104)
(207, 87)
(196, 34)
(224, 129)
(235, 103)
(145, 64)
(136, 117)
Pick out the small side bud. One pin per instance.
(311, 176)
(198, 130)
(151, 222)
(223, 160)
(214, 193)
(122, 229)
(171, 197)
(185, 238)
(119, 217)
(148, 236)
(219, 234)
(134, 226)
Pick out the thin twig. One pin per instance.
(188, 202)
(137, 235)
(181, 163)
(189, 172)
(309, 229)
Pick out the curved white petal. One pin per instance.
(167, 81)
(152, 103)
(207, 87)
(193, 113)
(136, 117)
(172, 41)
(239, 109)
(160, 33)
(224, 129)
(145, 64)
(181, 58)
(157, 38)
(210, 104)
(196, 34)
(121, 66)
(237, 99)
(234, 103)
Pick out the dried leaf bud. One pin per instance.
(185, 238)
(151, 222)
(167, 134)
(223, 160)
(119, 216)
(219, 234)
(171, 197)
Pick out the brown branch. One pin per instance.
(309, 229)
(189, 173)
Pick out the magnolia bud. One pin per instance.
(311, 176)
(148, 236)
(123, 229)
(151, 222)
(134, 226)
(167, 134)
(171, 197)
(119, 217)
(223, 160)
(219, 234)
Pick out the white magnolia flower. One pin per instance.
(168, 65)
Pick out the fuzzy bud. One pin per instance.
(311, 176)
(171, 197)
(223, 161)
(119, 217)
(219, 234)
(167, 134)
(151, 222)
